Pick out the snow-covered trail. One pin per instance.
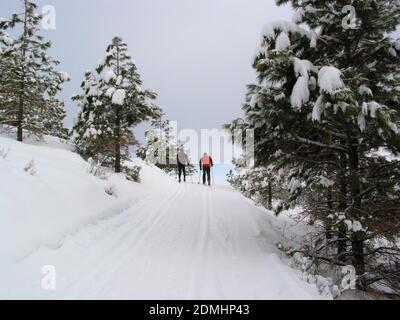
(192, 242)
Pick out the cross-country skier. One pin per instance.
(206, 163)
(183, 161)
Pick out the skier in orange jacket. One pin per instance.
(206, 163)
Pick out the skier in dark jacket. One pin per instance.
(206, 163)
(183, 161)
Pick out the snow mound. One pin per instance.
(7, 132)
(48, 192)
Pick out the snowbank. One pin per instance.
(36, 179)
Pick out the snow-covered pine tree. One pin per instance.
(53, 115)
(32, 79)
(91, 132)
(160, 148)
(191, 169)
(5, 69)
(259, 184)
(112, 104)
(358, 106)
(328, 97)
(129, 103)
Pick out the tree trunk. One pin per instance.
(118, 128)
(357, 241)
(269, 195)
(358, 261)
(329, 203)
(118, 141)
(117, 156)
(20, 119)
(342, 243)
(20, 114)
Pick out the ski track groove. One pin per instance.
(194, 287)
(218, 233)
(129, 237)
(108, 251)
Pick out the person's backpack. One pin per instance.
(183, 158)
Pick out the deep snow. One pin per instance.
(59, 198)
(156, 240)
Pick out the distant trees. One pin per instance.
(260, 184)
(112, 103)
(161, 147)
(326, 110)
(29, 81)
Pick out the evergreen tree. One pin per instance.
(6, 65)
(161, 147)
(112, 104)
(32, 80)
(260, 184)
(53, 115)
(91, 131)
(327, 98)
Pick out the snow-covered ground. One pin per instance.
(55, 196)
(155, 240)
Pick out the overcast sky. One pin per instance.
(196, 54)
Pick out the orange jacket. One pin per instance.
(206, 162)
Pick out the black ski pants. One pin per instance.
(182, 169)
(207, 175)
